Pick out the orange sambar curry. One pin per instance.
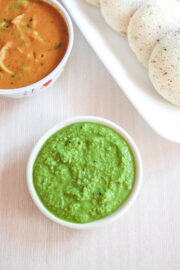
(34, 38)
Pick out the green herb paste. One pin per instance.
(84, 172)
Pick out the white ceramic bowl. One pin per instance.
(122, 209)
(47, 81)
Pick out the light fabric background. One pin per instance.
(146, 238)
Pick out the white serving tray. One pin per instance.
(114, 52)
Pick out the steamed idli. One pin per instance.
(164, 68)
(149, 24)
(117, 13)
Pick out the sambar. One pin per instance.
(34, 38)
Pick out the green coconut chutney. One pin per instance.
(84, 172)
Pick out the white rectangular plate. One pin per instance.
(114, 52)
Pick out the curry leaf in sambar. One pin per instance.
(58, 46)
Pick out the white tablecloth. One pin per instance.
(146, 238)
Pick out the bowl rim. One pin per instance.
(122, 209)
(62, 63)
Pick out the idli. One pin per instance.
(149, 24)
(164, 68)
(117, 13)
